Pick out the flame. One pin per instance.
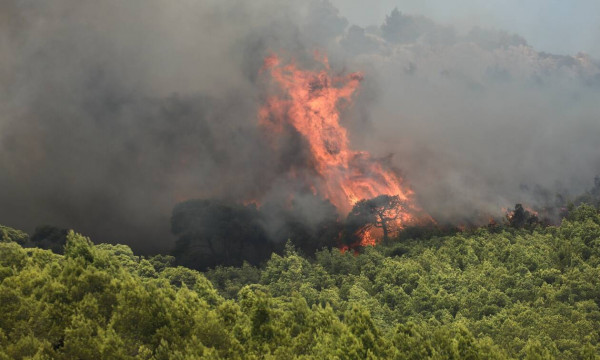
(511, 212)
(531, 211)
(310, 102)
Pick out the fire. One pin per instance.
(310, 102)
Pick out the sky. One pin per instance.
(554, 26)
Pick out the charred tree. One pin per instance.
(382, 212)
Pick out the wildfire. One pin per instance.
(310, 102)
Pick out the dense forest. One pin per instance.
(308, 179)
(495, 292)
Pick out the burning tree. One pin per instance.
(383, 211)
(521, 217)
(309, 102)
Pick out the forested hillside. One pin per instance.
(490, 293)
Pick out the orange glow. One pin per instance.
(531, 211)
(510, 213)
(310, 102)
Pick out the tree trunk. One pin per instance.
(385, 231)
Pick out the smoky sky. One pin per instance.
(112, 112)
(562, 27)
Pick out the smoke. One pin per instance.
(479, 120)
(112, 112)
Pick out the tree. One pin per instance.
(381, 212)
(9, 234)
(50, 238)
(521, 218)
(311, 223)
(401, 28)
(213, 232)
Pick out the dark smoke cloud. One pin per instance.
(112, 112)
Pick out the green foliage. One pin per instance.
(507, 294)
(11, 235)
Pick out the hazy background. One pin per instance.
(112, 112)
(560, 27)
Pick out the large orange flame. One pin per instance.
(310, 102)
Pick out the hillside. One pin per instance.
(498, 293)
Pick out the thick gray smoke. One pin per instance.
(111, 112)
(479, 121)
